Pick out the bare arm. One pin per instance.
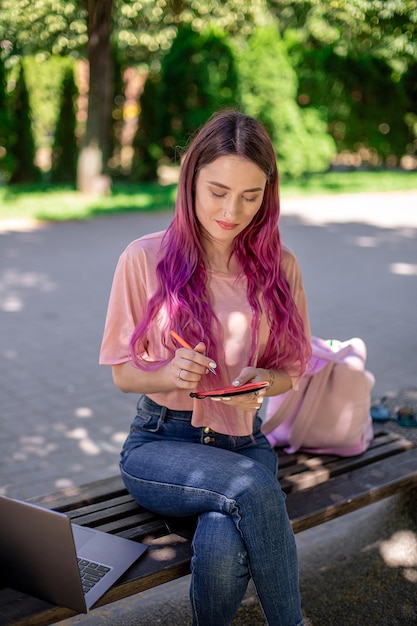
(279, 382)
(183, 372)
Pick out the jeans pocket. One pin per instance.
(146, 421)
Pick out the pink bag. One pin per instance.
(330, 411)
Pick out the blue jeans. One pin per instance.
(243, 531)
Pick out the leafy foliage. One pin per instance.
(65, 150)
(361, 102)
(44, 77)
(352, 58)
(355, 59)
(22, 144)
(385, 29)
(53, 26)
(141, 29)
(198, 76)
(145, 29)
(6, 159)
(268, 91)
(147, 143)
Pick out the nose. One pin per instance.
(231, 207)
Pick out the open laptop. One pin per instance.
(42, 553)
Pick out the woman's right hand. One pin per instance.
(188, 366)
(183, 372)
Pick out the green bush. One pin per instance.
(269, 88)
(6, 132)
(147, 142)
(198, 76)
(44, 77)
(364, 106)
(22, 145)
(409, 83)
(65, 150)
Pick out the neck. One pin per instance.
(223, 264)
(219, 257)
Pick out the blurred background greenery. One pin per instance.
(101, 96)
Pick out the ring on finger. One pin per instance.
(179, 375)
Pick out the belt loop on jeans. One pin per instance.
(162, 415)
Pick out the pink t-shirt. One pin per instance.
(135, 282)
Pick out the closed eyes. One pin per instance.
(223, 195)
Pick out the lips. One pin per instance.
(227, 225)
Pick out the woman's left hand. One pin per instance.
(248, 401)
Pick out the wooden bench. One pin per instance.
(319, 488)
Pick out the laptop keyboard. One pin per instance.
(91, 573)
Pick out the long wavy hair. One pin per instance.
(181, 301)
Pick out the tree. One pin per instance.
(65, 150)
(386, 30)
(93, 173)
(299, 136)
(197, 77)
(364, 107)
(22, 145)
(6, 160)
(356, 60)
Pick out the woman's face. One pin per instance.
(228, 194)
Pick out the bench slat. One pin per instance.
(96, 517)
(111, 501)
(353, 490)
(381, 438)
(75, 497)
(318, 469)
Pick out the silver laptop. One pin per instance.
(42, 553)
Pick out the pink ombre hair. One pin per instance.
(182, 293)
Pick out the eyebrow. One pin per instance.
(213, 182)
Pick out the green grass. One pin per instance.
(351, 182)
(56, 203)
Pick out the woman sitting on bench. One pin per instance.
(220, 279)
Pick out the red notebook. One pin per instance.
(229, 391)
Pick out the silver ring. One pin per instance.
(179, 375)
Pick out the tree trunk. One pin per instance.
(92, 175)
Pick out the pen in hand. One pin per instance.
(184, 344)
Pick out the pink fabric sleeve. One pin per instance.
(133, 283)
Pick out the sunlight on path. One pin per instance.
(384, 210)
